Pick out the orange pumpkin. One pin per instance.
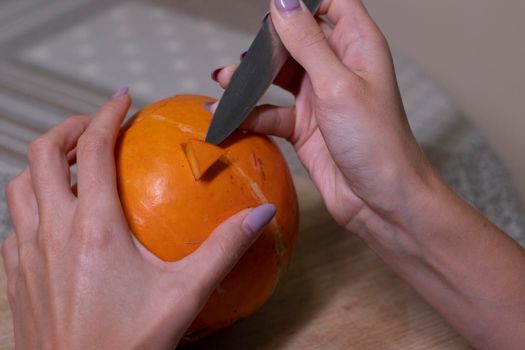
(172, 213)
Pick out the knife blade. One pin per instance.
(258, 69)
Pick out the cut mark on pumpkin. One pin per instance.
(201, 156)
(258, 165)
(274, 226)
(181, 126)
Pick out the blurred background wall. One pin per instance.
(475, 49)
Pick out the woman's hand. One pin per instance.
(348, 124)
(349, 129)
(76, 277)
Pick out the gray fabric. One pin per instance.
(478, 176)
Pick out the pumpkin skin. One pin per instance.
(171, 213)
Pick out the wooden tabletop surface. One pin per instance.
(336, 294)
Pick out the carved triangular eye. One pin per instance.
(201, 156)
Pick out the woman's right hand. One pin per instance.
(350, 131)
(348, 124)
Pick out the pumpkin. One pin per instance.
(171, 209)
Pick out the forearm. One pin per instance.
(462, 264)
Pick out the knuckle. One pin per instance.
(11, 189)
(337, 95)
(39, 148)
(310, 37)
(82, 120)
(339, 90)
(380, 40)
(93, 237)
(18, 187)
(190, 290)
(227, 249)
(48, 240)
(187, 297)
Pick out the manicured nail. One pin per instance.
(215, 74)
(120, 92)
(258, 218)
(287, 5)
(213, 107)
(207, 106)
(265, 16)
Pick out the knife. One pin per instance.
(258, 69)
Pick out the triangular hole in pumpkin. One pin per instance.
(201, 156)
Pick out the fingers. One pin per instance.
(289, 78)
(357, 39)
(220, 252)
(307, 43)
(10, 255)
(22, 205)
(49, 166)
(269, 120)
(353, 11)
(224, 75)
(96, 172)
(272, 120)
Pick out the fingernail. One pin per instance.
(287, 5)
(215, 74)
(243, 54)
(265, 16)
(207, 106)
(213, 107)
(120, 92)
(258, 218)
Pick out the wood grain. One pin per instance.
(336, 294)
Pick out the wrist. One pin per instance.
(462, 264)
(396, 226)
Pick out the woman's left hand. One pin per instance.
(77, 278)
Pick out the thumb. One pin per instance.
(305, 40)
(214, 259)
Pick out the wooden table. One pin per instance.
(336, 294)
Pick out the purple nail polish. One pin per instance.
(215, 74)
(258, 218)
(287, 5)
(120, 92)
(207, 105)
